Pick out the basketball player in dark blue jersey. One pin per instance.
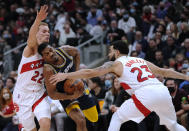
(79, 105)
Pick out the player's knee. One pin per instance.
(81, 121)
(45, 123)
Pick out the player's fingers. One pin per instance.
(52, 78)
(37, 12)
(52, 81)
(45, 8)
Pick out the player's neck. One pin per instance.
(120, 55)
(59, 62)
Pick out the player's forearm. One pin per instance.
(173, 74)
(60, 96)
(32, 41)
(85, 73)
(77, 61)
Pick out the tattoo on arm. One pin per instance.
(105, 66)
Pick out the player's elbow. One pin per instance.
(164, 72)
(89, 73)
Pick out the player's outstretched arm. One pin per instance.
(108, 67)
(51, 89)
(166, 72)
(32, 45)
(73, 51)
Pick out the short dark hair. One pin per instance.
(41, 47)
(121, 45)
(175, 81)
(12, 79)
(97, 80)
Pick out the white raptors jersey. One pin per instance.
(30, 74)
(136, 74)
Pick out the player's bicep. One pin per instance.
(108, 67)
(70, 50)
(28, 51)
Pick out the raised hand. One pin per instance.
(57, 78)
(42, 13)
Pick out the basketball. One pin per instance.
(71, 85)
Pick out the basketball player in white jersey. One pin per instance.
(137, 78)
(29, 94)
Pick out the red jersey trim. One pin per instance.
(140, 106)
(38, 101)
(31, 66)
(125, 86)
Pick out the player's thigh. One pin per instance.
(129, 111)
(43, 110)
(26, 118)
(76, 114)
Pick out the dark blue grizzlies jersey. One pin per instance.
(85, 101)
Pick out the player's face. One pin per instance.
(43, 34)
(112, 53)
(49, 55)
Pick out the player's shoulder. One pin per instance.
(48, 67)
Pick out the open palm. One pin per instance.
(42, 14)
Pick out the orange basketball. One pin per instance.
(71, 85)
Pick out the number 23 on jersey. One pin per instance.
(140, 72)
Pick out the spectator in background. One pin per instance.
(134, 54)
(6, 107)
(153, 25)
(185, 49)
(179, 61)
(65, 33)
(139, 38)
(152, 47)
(128, 25)
(146, 20)
(97, 30)
(174, 31)
(97, 88)
(170, 48)
(108, 80)
(161, 11)
(172, 63)
(10, 83)
(159, 60)
(185, 84)
(184, 33)
(114, 33)
(13, 74)
(93, 15)
(159, 39)
(54, 38)
(138, 49)
(177, 97)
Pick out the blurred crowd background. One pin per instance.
(156, 30)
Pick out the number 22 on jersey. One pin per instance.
(37, 77)
(140, 72)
